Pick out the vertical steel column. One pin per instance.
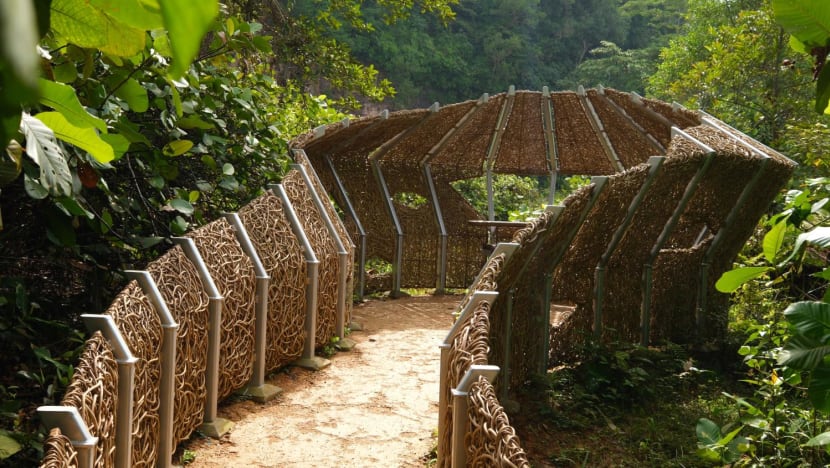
(443, 241)
(308, 358)
(342, 252)
(460, 417)
(72, 425)
(349, 208)
(212, 425)
(655, 163)
(668, 228)
(256, 388)
(492, 151)
(393, 214)
(476, 298)
(168, 365)
(126, 384)
(551, 149)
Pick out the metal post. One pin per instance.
(342, 252)
(393, 215)
(492, 151)
(126, 384)
(655, 163)
(460, 417)
(72, 425)
(349, 208)
(167, 379)
(257, 389)
(308, 359)
(551, 149)
(475, 298)
(545, 325)
(441, 266)
(508, 345)
(599, 129)
(212, 425)
(668, 228)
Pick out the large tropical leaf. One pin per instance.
(63, 99)
(807, 20)
(809, 317)
(18, 39)
(803, 352)
(43, 149)
(186, 22)
(773, 240)
(817, 237)
(84, 138)
(819, 388)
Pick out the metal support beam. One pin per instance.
(551, 148)
(167, 379)
(308, 359)
(668, 228)
(256, 388)
(492, 151)
(599, 129)
(212, 425)
(342, 252)
(125, 360)
(349, 209)
(655, 163)
(476, 298)
(460, 416)
(72, 425)
(619, 110)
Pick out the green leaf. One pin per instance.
(803, 352)
(43, 149)
(731, 280)
(708, 433)
(819, 388)
(818, 237)
(819, 440)
(84, 138)
(140, 14)
(120, 144)
(194, 121)
(227, 169)
(809, 317)
(78, 22)
(134, 94)
(179, 225)
(807, 20)
(8, 446)
(177, 147)
(182, 206)
(186, 22)
(773, 240)
(62, 98)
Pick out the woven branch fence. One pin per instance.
(145, 381)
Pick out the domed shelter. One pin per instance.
(674, 195)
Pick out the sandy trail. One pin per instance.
(375, 406)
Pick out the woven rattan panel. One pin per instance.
(681, 117)
(93, 391)
(651, 124)
(579, 148)
(341, 229)
(463, 155)
(674, 296)
(140, 326)
(233, 273)
(281, 253)
(573, 280)
(336, 136)
(540, 245)
(381, 131)
(182, 290)
(631, 145)
(325, 250)
(522, 148)
(464, 241)
(491, 440)
(58, 451)
(414, 146)
(625, 268)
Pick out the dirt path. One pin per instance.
(375, 406)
